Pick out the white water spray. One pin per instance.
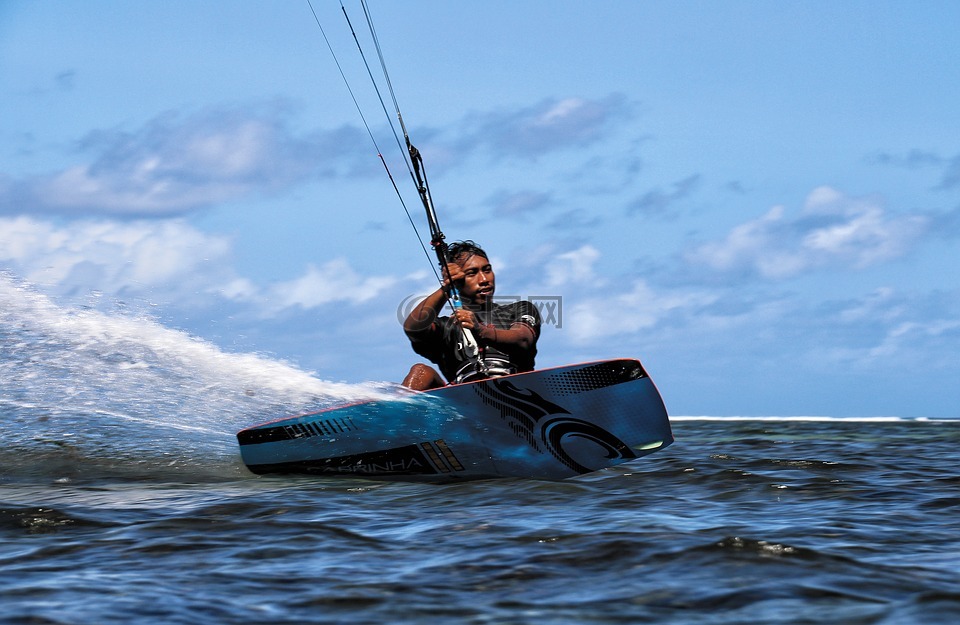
(78, 385)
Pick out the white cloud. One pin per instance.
(112, 257)
(574, 267)
(864, 235)
(914, 342)
(641, 308)
(546, 126)
(518, 204)
(334, 281)
(881, 304)
(239, 289)
(175, 164)
(168, 261)
(658, 202)
(831, 230)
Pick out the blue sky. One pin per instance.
(760, 200)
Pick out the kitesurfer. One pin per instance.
(506, 334)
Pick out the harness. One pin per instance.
(492, 368)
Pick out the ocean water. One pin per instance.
(123, 499)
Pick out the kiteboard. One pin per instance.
(548, 424)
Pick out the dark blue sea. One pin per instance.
(123, 500)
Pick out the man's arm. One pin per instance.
(520, 335)
(421, 318)
(425, 314)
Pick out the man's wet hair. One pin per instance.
(465, 248)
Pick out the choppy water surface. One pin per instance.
(123, 499)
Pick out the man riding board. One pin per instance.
(505, 334)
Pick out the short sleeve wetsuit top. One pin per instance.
(439, 342)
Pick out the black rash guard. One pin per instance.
(438, 343)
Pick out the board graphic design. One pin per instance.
(546, 424)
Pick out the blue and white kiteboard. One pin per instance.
(548, 424)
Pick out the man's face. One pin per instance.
(478, 285)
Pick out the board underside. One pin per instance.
(548, 424)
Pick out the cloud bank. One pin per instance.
(832, 230)
(168, 260)
(175, 164)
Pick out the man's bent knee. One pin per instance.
(422, 378)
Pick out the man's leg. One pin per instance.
(422, 378)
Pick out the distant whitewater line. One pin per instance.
(815, 418)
